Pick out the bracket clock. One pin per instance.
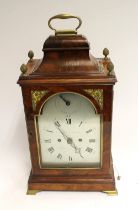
(68, 98)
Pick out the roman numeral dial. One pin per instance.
(69, 132)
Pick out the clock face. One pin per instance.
(69, 132)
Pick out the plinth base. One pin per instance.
(100, 183)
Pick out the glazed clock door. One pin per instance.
(69, 132)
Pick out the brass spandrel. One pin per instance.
(37, 96)
(97, 94)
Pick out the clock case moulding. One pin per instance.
(68, 66)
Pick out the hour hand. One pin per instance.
(68, 139)
(77, 150)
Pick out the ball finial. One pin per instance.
(31, 54)
(105, 52)
(110, 68)
(23, 68)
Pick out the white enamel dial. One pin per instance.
(69, 132)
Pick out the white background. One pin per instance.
(23, 26)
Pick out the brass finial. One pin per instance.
(31, 54)
(119, 177)
(110, 68)
(105, 52)
(23, 69)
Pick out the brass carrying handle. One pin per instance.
(64, 16)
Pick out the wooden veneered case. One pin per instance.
(68, 67)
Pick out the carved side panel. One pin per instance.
(97, 94)
(36, 96)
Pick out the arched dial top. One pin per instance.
(39, 97)
(69, 132)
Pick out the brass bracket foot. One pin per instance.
(112, 192)
(32, 192)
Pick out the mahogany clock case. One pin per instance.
(67, 66)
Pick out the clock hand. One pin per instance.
(77, 149)
(57, 126)
(69, 140)
(65, 100)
